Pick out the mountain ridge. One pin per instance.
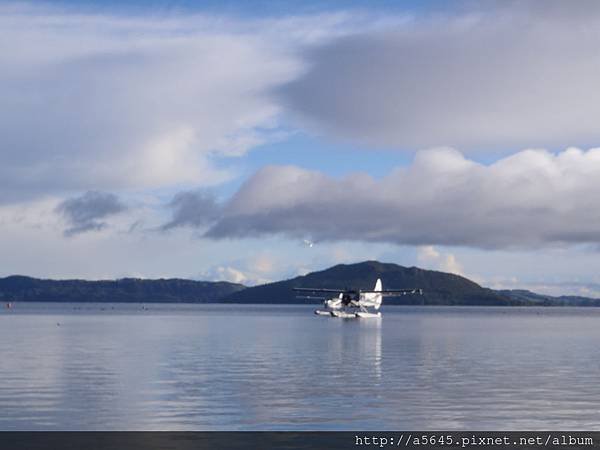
(439, 288)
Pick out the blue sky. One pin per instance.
(211, 139)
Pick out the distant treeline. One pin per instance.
(20, 288)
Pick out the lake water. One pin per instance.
(223, 367)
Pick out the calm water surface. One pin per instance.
(213, 367)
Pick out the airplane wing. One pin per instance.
(397, 292)
(337, 291)
(387, 292)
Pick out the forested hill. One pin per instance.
(531, 298)
(439, 288)
(20, 288)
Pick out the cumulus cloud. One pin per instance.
(193, 208)
(429, 257)
(226, 273)
(529, 199)
(257, 269)
(84, 213)
(517, 75)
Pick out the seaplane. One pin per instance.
(353, 303)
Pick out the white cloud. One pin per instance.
(427, 254)
(230, 274)
(515, 75)
(92, 101)
(451, 264)
(429, 257)
(257, 269)
(530, 199)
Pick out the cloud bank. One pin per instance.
(131, 102)
(92, 101)
(109, 102)
(532, 198)
(517, 75)
(192, 208)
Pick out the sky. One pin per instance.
(251, 141)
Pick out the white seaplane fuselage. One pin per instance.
(366, 306)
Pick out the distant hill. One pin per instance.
(20, 288)
(439, 288)
(548, 300)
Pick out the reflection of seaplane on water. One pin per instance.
(353, 303)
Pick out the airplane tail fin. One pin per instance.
(374, 299)
(378, 285)
(378, 296)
